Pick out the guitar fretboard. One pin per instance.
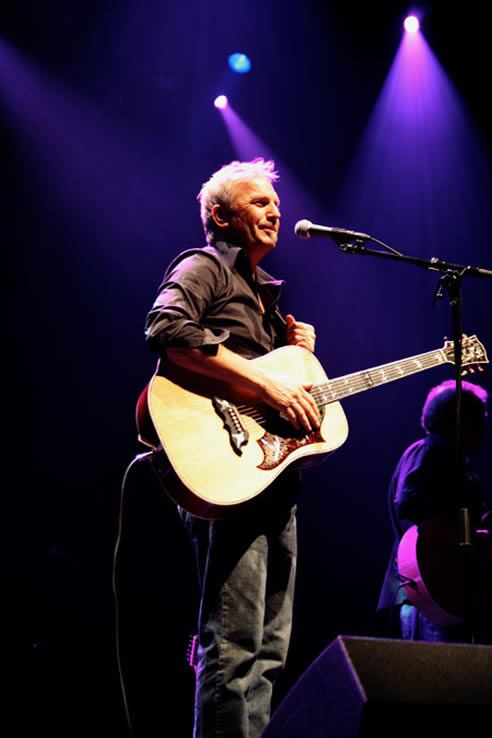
(351, 384)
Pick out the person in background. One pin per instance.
(429, 484)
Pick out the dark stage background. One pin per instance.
(107, 133)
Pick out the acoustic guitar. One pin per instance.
(224, 447)
(433, 571)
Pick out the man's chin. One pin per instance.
(270, 241)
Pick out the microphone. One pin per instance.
(306, 229)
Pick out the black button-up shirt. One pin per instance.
(209, 296)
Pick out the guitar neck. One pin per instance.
(351, 384)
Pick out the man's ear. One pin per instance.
(220, 216)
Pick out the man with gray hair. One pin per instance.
(215, 310)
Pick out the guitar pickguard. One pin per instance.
(276, 448)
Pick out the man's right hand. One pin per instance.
(293, 401)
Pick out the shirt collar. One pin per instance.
(237, 256)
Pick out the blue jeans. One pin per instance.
(246, 569)
(416, 627)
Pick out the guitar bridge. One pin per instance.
(238, 434)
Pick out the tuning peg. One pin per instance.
(480, 368)
(472, 370)
(464, 372)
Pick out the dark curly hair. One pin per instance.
(439, 411)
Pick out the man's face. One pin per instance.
(255, 215)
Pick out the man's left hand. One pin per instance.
(300, 334)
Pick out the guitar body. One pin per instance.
(212, 476)
(431, 565)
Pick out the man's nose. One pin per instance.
(274, 211)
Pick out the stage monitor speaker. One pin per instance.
(387, 687)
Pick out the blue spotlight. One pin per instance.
(239, 63)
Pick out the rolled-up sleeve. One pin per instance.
(178, 316)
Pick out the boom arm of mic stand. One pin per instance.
(434, 265)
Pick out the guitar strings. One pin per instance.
(357, 382)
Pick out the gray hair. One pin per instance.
(219, 189)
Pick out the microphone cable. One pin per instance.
(138, 457)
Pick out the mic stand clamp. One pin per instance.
(352, 247)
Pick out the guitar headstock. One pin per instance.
(472, 351)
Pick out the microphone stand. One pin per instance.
(451, 282)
